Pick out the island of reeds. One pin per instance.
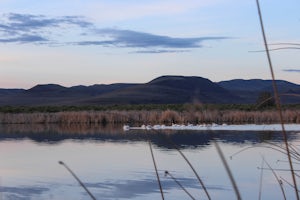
(148, 114)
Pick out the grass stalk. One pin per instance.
(79, 181)
(234, 185)
(157, 175)
(191, 166)
(167, 173)
(278, 180)
(290, 184)
(275, 147)
(284, 94)
(279, 169)
(277, 100)
(261, 179)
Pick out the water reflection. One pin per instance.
(124, 189)
(54, 133)
(133, 188)
(22, 192)
(117, 165)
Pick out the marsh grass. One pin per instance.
(152, 117)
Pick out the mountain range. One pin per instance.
(162, 90)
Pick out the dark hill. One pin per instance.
(53, 94)
(169, 89)
(256, 85)
(162, 90)
(5, 92)
(186, 83)
(250, 89)
(97, 89)
(55, 91)
(48, 90)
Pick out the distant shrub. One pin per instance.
(265, 100)
(169, 117)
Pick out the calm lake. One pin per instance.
(114, 164)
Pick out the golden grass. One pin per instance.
(151, 117)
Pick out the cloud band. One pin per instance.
(40, 29)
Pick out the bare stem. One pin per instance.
(79, 181)
(278, 180)
(191, 166)
(178, 183)
(261, 179)
(234, 185)
(278, 104)
(157, 176)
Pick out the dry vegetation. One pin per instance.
(151, 117)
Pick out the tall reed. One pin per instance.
(277, 99)
(78, 180)
(167, 173)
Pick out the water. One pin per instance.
(117, 165)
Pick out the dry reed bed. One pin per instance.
(151, 117)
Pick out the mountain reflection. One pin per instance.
(109, 189)
(22, 192)
(129, 189)
(53, 133)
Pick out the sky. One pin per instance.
(86, 42)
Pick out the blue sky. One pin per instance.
(85, 42)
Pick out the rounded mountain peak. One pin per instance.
(184, 82)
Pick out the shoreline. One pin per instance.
(217, 127)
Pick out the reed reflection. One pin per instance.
(51, 133)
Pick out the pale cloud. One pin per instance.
(160, 51)
(15, 22)
(57, 31)
(292, 70)
(27, 28)
(24, 39)
(134, 39)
